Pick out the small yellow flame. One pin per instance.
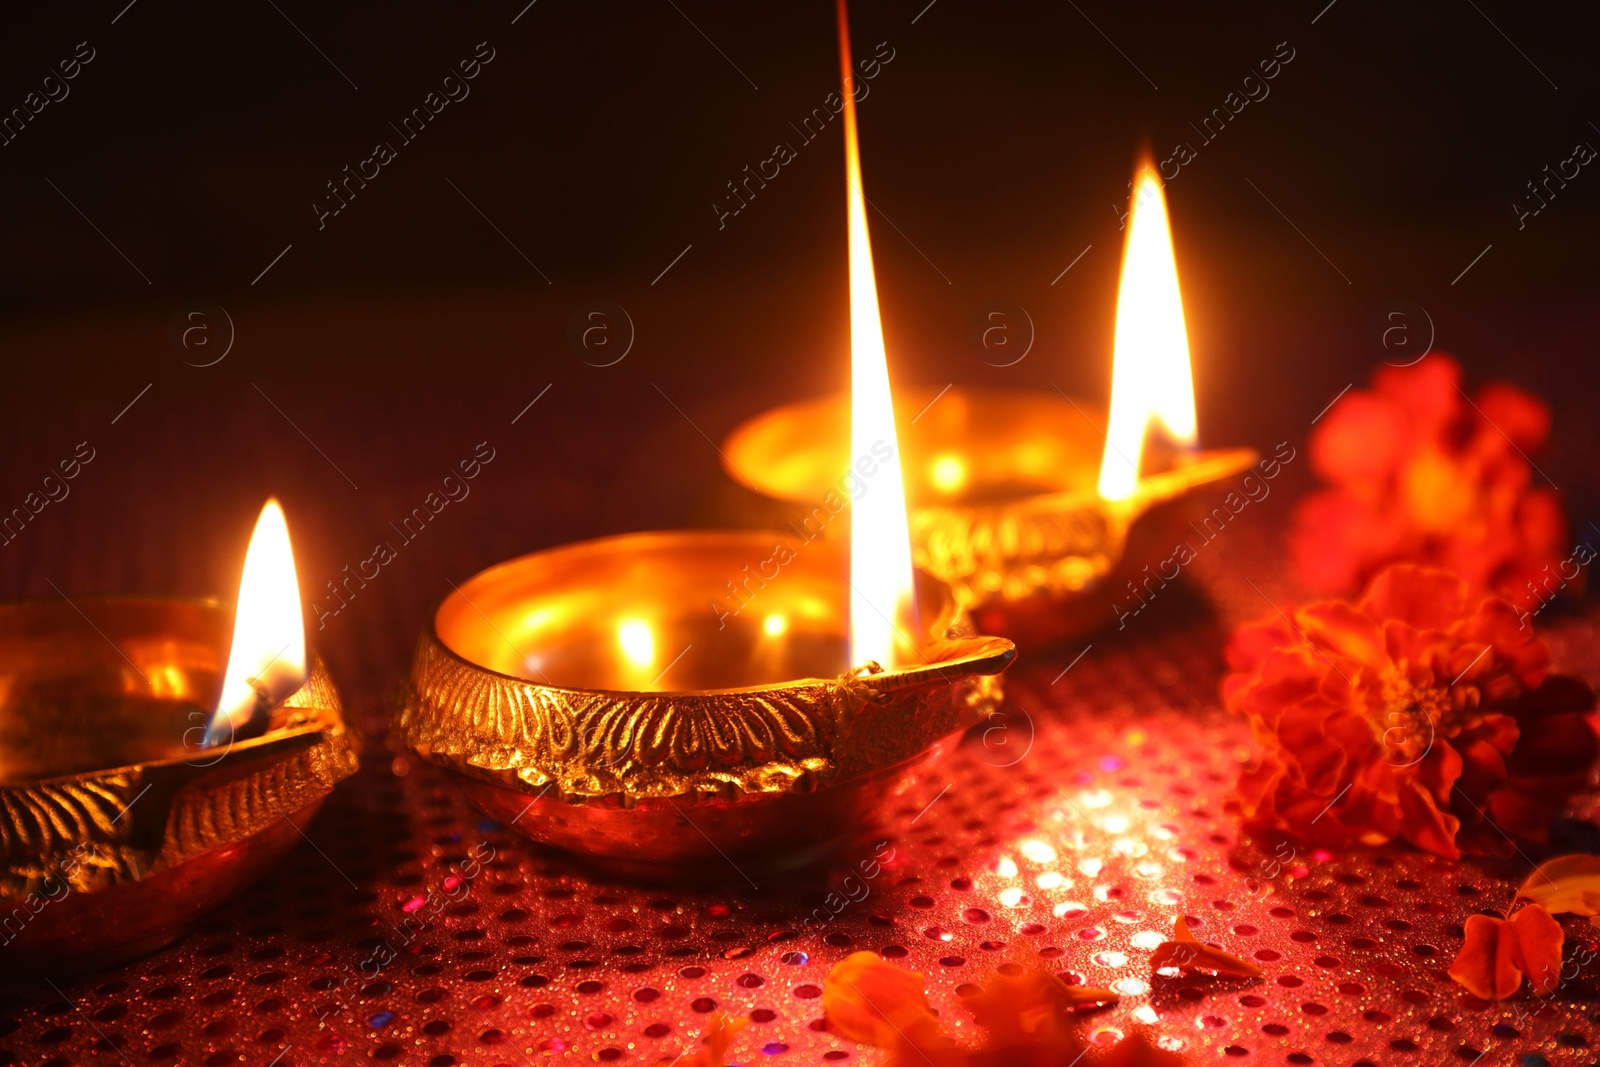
(1151, 381)
(267, 661)
(881, 605)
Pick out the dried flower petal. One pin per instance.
(1538, 948)
(1566, 884)
(713, 1050)
(1028, 1020)
(1082, 996)
(869, 1000)
(1188, 953)
(1032, 1008)
(1485, 965)
(1137, 1050)
(1498, 952)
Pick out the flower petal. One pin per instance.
(1537, 948)
(1486, 964)
(874, 1002)
(1360, 441)
(1032, 1009)
(1428, 391)
(1343, 630)
(713, 1050)
(1336, 537)
(1188, 953)
(1514, 414)
(1252, 642)
(1518, 651)
(1424, 597)
(1569, 884)
(1425, 825)
(1138, 1050)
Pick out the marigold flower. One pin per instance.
(1408, 714)
(1419, 472)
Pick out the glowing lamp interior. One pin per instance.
(267, 661)
(1152, 386)
(880, 542)
(637, 641)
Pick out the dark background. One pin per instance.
(379, 350)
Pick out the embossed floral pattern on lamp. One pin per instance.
(594, 697)
(132, 797)
(1037, 508)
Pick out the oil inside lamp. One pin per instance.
(1152, 383)
(882, 608)
(267, 660)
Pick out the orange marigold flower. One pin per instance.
(1409, 714)
(1418, 472)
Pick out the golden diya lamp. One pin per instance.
(1043, 512)
(134, 799)
(607, 698)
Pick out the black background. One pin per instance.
(997, 146)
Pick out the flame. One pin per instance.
(1151, 381)
(880, 542)
(267, 661)
(638, 642)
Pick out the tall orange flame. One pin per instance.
(267, 661)
(881, 605)
(1151, 382)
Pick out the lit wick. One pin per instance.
(267, 660)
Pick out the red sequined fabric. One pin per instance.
(1068, 834)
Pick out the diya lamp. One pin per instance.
(1039, 510)
(133, 799)
(606, 698)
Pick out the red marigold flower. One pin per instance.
(1409, 714)
(1420, 473)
